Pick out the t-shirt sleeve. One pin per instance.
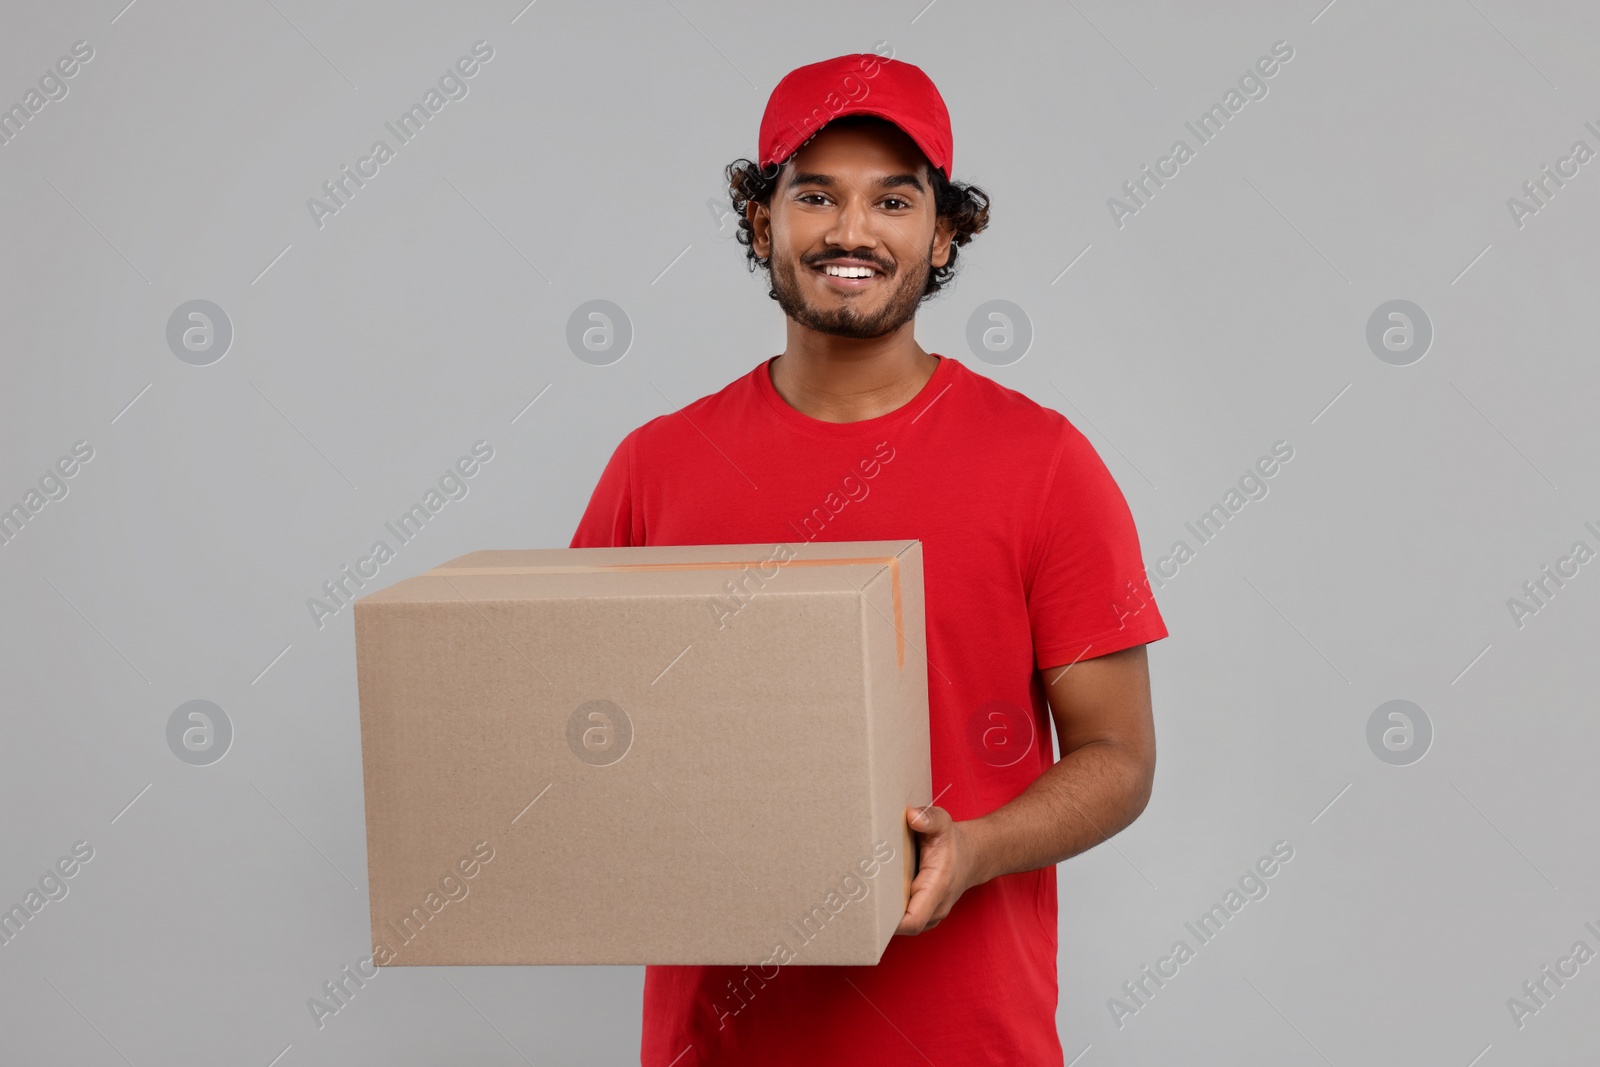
(1087, 589)
(608, 520)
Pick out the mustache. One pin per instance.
(830, 257)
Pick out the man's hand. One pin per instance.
(949, 867)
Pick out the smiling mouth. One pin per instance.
(848, 277)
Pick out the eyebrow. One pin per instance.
(891, 181)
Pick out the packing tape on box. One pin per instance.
(893, 563)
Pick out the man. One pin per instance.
(1037, 603)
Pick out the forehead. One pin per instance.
(867, 151)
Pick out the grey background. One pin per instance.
(429, 313)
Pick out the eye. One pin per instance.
(803, 197)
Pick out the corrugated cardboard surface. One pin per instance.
(762, 723)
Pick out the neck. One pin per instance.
(847, 379)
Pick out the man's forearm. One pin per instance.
(1086, 796)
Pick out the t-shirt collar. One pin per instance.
(930, 391)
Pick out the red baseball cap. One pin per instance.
(810, 97)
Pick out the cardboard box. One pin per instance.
(672, 754)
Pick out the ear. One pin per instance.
(943, 233)
(761, 225)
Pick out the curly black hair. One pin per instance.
(966, 206)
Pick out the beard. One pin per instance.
(906, 291)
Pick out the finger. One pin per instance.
(918, 911)
(927, 889)
(929, 820)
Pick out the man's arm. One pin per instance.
(1100, 784)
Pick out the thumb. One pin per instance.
(928, 820)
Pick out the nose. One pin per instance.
(852, 224)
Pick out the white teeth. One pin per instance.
(849, 272)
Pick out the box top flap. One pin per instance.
(653, 570)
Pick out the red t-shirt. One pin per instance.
(1030, 560)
